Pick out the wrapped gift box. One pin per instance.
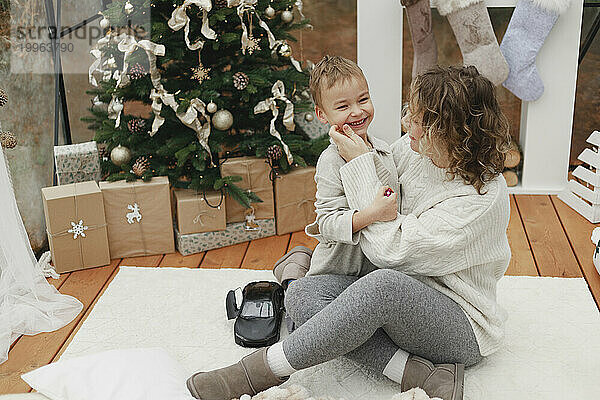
(76, 226)
(194, 215)
(139, 218)
(77, 163)
(255, 178)
(233, 234)
(295, 200)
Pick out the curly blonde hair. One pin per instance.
(462, 121)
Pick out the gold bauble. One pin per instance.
(270, 12)
(222, 120)
(120, 155)
(285, 50)
(309, 117)
(211, 107)
(287, 16)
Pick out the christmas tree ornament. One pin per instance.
(128, 8)
(287, 16)
(270, 12)
(529, 25)
(104, 23)
(309, 117)
(222, 120)
(211, 107)
(117, 107)
(274, 153)
(285, 50)
(240, 80)
(418, 14)
(476, 39)
(253, 45)
(200, 73)
(103, 153)
(136, 71)
(120, 155)
(140, 166)
(8, 140)
(136, 126)
(3, 98)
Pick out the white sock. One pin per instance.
(395, 367)
(277, 361)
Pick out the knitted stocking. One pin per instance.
(418, 13)
(527, 30)
(472, 27)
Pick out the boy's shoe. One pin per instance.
(437, 380)
(293, 265)
(250, 375)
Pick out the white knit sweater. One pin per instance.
(447, 235)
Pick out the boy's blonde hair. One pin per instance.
(462, 119)
(328, 72)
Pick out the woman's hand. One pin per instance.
(384, 208)
(349, 144)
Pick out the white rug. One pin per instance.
(551, 351)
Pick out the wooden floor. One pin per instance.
(547, 239)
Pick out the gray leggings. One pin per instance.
(368, 319)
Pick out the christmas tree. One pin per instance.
(218, 79)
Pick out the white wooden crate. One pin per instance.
(546, 124)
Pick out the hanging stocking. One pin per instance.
(418, 13)
(472, 27)
(527, 30)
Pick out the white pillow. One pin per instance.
(132, 374)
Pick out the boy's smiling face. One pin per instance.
(347, 102)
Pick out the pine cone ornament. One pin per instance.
(240, 80)
(3, 98)
(136, 125)
(140, 166)
(136, 71)
(8, 140)
(219, 3)
(274, 153)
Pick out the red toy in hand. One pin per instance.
(388, 192)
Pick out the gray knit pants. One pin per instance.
(368, 318)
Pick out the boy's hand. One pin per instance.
(349, 144)
(384, 208)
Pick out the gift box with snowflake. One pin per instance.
(76, 225)
(583, 193)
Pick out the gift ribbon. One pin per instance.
(141, 222)
(180, 19)
(278, 91)
(249, 6)
(299, 5)
(66, 231)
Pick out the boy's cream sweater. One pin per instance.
(338, 252)
(446, 235)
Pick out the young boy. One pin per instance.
(341, 95)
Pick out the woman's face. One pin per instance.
(412, 125)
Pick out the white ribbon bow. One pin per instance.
(180, 19)
(278, 91)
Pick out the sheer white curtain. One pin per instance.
(28, 303)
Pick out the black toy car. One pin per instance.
(258, 319)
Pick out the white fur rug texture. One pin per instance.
(551, 349)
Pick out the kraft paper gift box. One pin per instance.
(234, 233)
(194, 215)
(138, 215)
(255, 178)
(77, 163)
(295, 200)
(76, 226)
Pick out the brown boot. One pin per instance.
(437, 380)
(250, 375)
(293, 265)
